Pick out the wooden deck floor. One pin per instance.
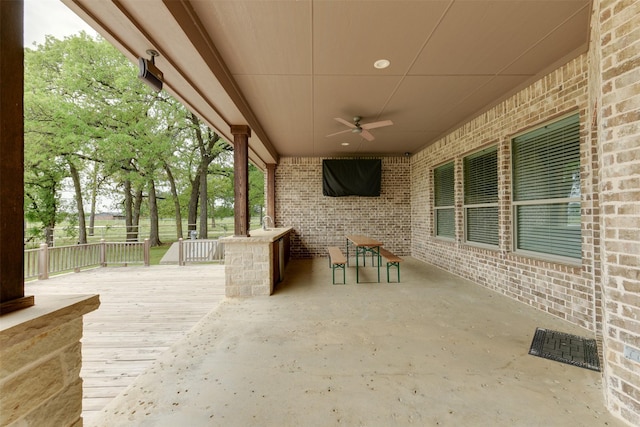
(143, 311)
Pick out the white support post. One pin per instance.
(180, 252)
(103, 253)
(147, 251)
(43, 262)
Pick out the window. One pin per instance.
(546, 190)
(481, 197)
(443, 183)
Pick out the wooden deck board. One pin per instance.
(143, 311)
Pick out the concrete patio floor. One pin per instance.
(433, 350)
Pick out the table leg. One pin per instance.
(357, 256)
(347, 252)
(378, 253)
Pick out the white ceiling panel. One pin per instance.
(286, 68)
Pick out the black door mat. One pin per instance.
(565, 348)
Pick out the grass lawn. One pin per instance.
(156, 253)
(115, 231)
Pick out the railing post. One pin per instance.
(180, 252)
(147, 248)
(43, 262)
(103, 253)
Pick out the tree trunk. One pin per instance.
(128, 212)
(82, 227)
(48, 234)
(206, 145)
(94, 198)
(176, 200)
(213, 212)
(193, 203)
(154, 231)
(203, 204)
(137, 205)
(92, 216)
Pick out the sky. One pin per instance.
(50, 17)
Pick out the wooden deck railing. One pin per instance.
(44, 261)
(199, 251)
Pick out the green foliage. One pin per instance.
(86, 109)
(256, 190)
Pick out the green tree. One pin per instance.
(90, 120)
(207, 145)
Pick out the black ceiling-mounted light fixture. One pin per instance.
(149, 73)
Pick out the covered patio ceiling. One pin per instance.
(287, 68)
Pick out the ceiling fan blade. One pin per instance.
(337, 133)
(366, 135)
(377, 124)
(344, 122)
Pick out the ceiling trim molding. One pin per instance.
(108, 33)
(193, 28)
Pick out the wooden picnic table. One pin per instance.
(363, 244)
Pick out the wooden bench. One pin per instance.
(392, 261)
(337, 260)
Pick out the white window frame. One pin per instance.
(493, 149)
(444, 208)
(549, 204)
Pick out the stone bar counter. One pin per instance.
(255, 264)
(40, 361)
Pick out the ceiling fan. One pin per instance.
(361, 129)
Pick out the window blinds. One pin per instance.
(546, 162)
(481, 177)
(444, 186)
(546, 189)
(481, 197)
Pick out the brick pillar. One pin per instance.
(615, 30)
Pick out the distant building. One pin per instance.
(108, 216)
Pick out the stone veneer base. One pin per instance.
(40, 361)
(248, 263)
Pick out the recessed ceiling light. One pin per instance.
(345, 144)
(381, 63)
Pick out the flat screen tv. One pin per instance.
(351, 177)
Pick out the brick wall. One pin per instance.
(601, 294)
(616, 54)
(565, 291)
(319, 221)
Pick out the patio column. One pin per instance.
(241, 134)
(12, 158)
(271, 191)
(40, 346)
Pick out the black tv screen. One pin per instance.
(351, 177)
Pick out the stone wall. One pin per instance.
(564, 290)
(247, 267)
(616, 86)
(40, 361)
(250, 263)
(319, 221)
